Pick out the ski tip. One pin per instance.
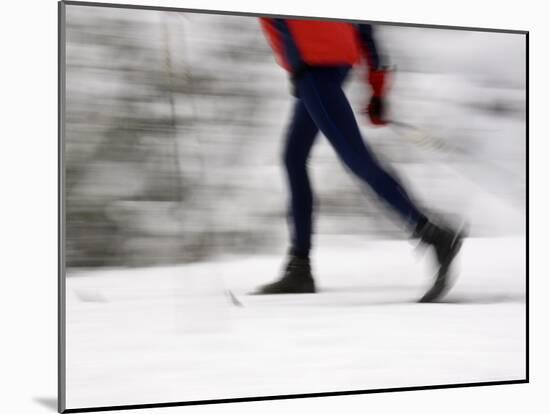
(234, 299)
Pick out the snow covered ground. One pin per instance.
(165, 334)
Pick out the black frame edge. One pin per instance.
(291, 396)
(527, 207)
(61, 310)
(253, 14)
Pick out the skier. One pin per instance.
(318, 56)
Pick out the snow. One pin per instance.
(163, 334)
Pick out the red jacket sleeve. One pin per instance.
(377, 75)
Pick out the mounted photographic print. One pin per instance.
(259, 207)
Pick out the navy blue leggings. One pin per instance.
(322, 105)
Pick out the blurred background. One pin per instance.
(175, 125)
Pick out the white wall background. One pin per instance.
(28, 217)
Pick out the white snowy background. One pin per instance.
(174, 132)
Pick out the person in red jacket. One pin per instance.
(318, 56)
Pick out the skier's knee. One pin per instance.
(365, 172)
(293, 161)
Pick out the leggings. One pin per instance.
(322, 106)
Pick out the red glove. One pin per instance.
(376, 109)
(378, 80)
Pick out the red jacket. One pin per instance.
(319, 43)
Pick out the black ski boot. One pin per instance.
(446, 243)
(296, 279)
